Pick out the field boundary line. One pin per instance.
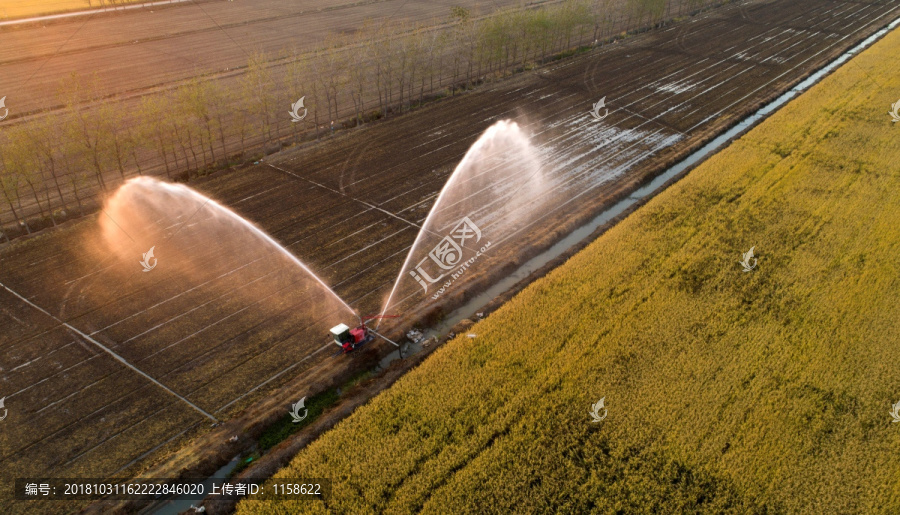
(112, 353)
(363, 202)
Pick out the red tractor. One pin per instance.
(351, 339)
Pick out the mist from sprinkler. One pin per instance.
(494, 191)
(205, 242)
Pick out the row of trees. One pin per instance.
(56, 163)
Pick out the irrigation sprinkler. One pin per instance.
(351, 339)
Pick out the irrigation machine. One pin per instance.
(351, 339)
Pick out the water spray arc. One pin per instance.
(142, 201)
(494, 189)
(202, 238)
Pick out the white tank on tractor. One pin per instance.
(349, 339)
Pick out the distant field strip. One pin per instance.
(12, 9)
(727, 392)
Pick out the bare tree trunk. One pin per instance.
(73, 176)
(47, 196)
(35, 195)
(77, 198)
(15, 213)
(62, 199)
(118, 150)
(209, 137)
(222, 135)
(98, 170)
(24, 220)
(190, 141)
(422, 91)
(162, 152)
(137, 163)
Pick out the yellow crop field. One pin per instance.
(11, 9)
(726, 391)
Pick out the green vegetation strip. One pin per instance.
(284, 427)
(728, 392)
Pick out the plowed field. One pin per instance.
(349, 209)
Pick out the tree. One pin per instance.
(115, 126)
(9, 183)
(575, 14)
(401, 49)
(84, 126)
(198, 99)
(604, 20)
(316, 88)
(295, 77)
(461, 30)
(539, 30)
(432, 41)
(493, 41)
(45, 135)
(153, 128)
(257, 88)
(384, 67)
(76, 177)
(358, 70)
(19, 165)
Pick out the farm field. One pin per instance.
(145, 48)
(231, 337)
(725, 392)
(12, 9)
(92, 81)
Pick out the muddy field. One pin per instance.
(349, 208)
